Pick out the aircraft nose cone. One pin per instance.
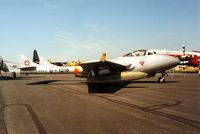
(172, 61)
(175, 60)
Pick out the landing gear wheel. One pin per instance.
(161, 80)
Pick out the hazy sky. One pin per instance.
(83, 29)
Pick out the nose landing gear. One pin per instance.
(162, 78)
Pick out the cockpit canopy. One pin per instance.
(138, 53)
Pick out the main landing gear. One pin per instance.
(162, 78)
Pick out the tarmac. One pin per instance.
(63, 104)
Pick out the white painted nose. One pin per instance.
(173, 60)
(170, 61)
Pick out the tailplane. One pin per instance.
(45, 62)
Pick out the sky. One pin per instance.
(66, 30)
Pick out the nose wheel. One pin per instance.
(162, 78)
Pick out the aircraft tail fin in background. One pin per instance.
(36, 58)
(25, 62)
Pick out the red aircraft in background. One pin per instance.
(186, 58)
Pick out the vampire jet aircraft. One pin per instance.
(134, 65)
(44, 67)
(62, 69)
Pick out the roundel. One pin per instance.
(26, 63)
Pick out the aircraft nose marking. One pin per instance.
(142, 62)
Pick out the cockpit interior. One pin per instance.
(138, 53)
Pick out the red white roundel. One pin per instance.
(26, 62)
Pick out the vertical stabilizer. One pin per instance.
(36, 58)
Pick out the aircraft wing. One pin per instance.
(100, 65)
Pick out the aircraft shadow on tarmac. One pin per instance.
(108, 87)
(58, 82)
(43, 82)
(92, 87)
(154, 82)
(114, 87)
(5, 78)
